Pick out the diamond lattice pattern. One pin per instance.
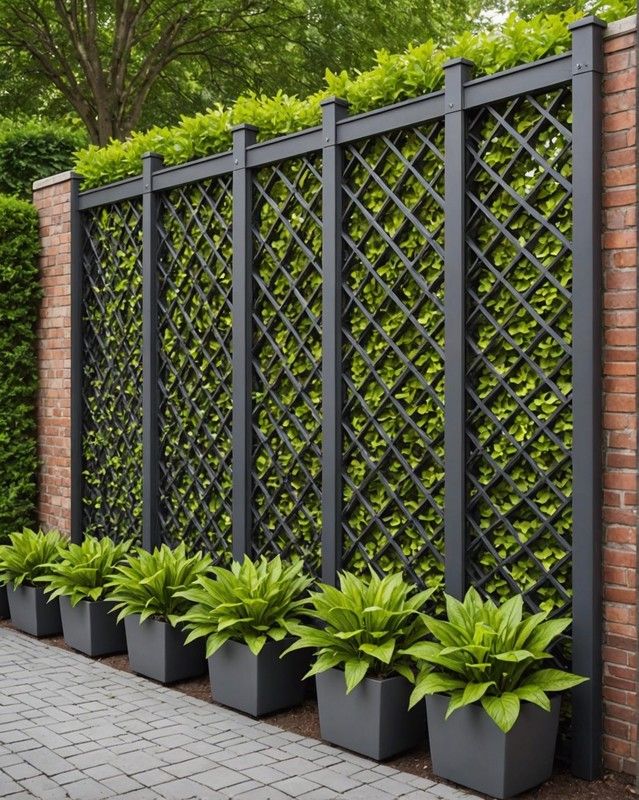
(112, 370)
(393, 354)
(287, 387)
(519, 420)
(195, 375)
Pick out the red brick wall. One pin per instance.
(620, 389)
(620, 399)
(51, 198)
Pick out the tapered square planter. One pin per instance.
(90, 628)
(259, 684)
(30, 612)
(4, 603)
(157, 650)
(469, 749)
(373, 719)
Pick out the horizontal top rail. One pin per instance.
(113, 193)
(525, 79)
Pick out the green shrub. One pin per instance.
(148, 584)
(367, 624)
(488, 653)
(396, 77)
(32, 150)
(248, 603)
(29, 555)
(19, 297)
(84, 570)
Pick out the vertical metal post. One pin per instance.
(587, 68)
(77, 286)
(333, 109)
(150, 426)
(457, 73)
(243, 136)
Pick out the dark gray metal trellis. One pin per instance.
(454, 127)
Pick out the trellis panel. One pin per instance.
(519, 349)
(393, 353)
(111, 256)
(195, 376)
(287, 387)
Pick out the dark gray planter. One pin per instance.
(30, 612)
(373, 719)
(157, 650)
(469, 749)
(258, 684)
(4, 603)
(90, 627)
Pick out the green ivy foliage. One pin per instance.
(394, 367)
(31, 150)
(287, 388)
(520, 418)
(19, 298)
(112, 380)
(396, 77)
(195, 263)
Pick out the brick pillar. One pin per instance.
(620, 397)
(51, 197)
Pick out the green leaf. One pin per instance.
(355, 672)
(502, 709)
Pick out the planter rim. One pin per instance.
(86, 600)
(372, 678)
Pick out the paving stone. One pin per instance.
(332, 780)
(218, 778)
(74, 729)
(87, 789)
(295, 786)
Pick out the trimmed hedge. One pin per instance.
(19, 297)
(32, 150)
(396, 77)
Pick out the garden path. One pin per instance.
(72, 728)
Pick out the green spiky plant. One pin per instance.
(28, 555)
(85, 570)
(148, 584)
(249, 603)
(367, 624)
(490, 654)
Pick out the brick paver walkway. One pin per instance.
(74, 728)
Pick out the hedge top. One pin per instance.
(395, 77)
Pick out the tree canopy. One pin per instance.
(120, 65)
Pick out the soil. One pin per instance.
(304, 720)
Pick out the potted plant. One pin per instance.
(244, 613)
(4, 603)
(492, 711)
(363, 678)
(22, 561)
(79, 581)
(145, 590)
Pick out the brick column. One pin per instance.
(51, 197)
(620, 398)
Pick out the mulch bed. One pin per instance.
(304, 721)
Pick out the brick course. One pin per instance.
(54, 353)
(619, 242)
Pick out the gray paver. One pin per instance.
(74, 729)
